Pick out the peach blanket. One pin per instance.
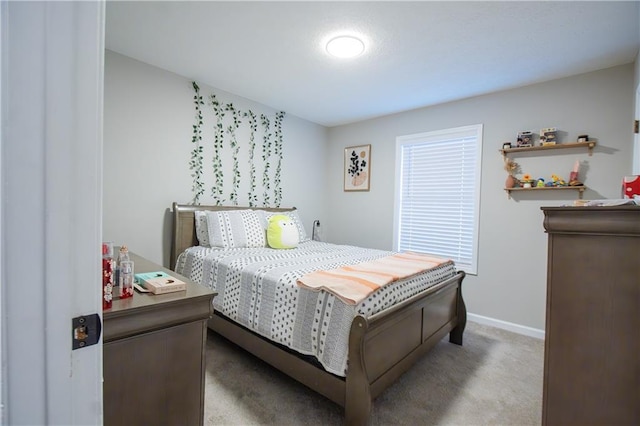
(354, 283)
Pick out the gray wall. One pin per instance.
(510, 284)
(148, 118)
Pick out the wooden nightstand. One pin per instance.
(154, 355)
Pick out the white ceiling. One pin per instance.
(418, 54)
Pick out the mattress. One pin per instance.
(257, 288)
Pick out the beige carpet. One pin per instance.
(495, 378)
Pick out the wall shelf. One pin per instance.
(589, 145)
(580, 189)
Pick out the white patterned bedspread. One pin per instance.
(257, 289)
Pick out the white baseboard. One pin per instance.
(509, 326)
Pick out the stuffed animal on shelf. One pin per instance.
(540, 183)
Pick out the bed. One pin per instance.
(380, 343)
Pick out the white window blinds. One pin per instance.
(437, 194)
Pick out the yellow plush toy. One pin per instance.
(282, 232)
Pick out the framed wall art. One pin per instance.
(357, 168)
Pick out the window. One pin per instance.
(437, 194)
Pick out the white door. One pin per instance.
(51, 190)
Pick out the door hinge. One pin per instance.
(85, 330)
(636, 126)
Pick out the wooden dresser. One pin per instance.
(592, 344)
(154, 355)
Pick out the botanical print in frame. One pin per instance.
(357, 168)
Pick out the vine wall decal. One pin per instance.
(266, 153)
(195, 163)
(235, 148)
(235, 152)
(253, 127)
(218, 145)
(277, 190)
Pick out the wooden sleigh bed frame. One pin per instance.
(381, 347)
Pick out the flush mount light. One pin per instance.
(345, 46)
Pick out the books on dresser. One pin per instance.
(160, 282)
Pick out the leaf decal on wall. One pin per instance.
(277, 189)
(253, 127)
(195, 163)
(235, 134)
(266, 153)
(218, 145)
(235, 149)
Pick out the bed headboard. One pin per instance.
(184, 225)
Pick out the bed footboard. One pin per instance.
(387, 344)
(381, 348)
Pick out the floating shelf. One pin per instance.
(580, 189)
(589, 145)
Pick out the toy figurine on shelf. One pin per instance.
(524, 139)
(540, 183)
(557, 180)
(573, 176)
(527, 182)
(548, 136)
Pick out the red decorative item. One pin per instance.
(108, 265)
(631, 186)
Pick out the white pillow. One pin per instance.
(293, 214)
(235, 229)
(202, 231)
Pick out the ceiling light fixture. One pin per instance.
(345, 46)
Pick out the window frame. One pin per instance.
(438, 136)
